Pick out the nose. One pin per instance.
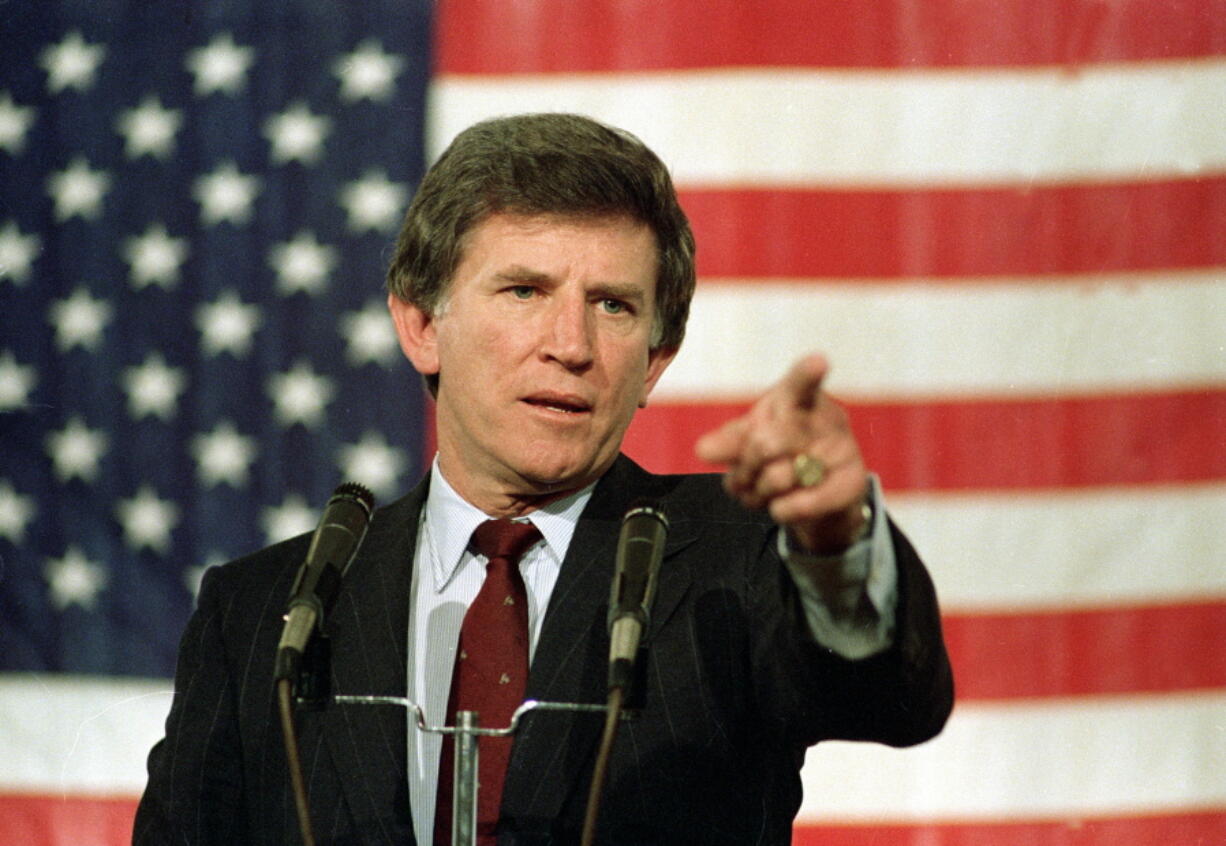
(568, 335)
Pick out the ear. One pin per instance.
(415, 329)
(657, 361)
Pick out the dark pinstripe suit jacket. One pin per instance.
(734, 691)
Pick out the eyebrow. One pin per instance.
(520, 274)
(631, 293)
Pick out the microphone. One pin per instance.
(332, 549)
(639, 550)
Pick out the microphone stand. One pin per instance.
(313, 691)
(464, 736)
(308, 687)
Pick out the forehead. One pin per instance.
(614, 246)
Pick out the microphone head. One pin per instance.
(339, 534)
(356, 493)
(639, 550)
(648, 508)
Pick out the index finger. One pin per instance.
(803, 382)
(722, 445)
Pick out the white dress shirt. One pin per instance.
(848, 602)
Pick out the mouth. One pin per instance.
(559, 403)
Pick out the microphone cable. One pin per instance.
(285, 701)
(612, 719)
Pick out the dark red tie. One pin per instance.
(491, 672)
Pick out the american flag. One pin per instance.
(198, 200)
(1003, 221)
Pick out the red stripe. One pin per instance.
(497, 37)
(1070, 442)
(54, 821)
(58, 820)
(1192, 828)
(1147, 649)
(959, 232)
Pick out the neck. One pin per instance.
(503, 500)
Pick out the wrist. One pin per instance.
(836, 533)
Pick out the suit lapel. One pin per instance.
(369, 625)
(554, 750)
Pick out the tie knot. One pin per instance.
(504, 539)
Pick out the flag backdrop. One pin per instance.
(198, 201)
(1003, 221)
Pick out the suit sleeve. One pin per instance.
(848, 599)
(195, 790)
(900, 696)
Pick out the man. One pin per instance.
(541, 285)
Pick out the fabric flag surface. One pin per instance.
(1002, 221)
(194, 345)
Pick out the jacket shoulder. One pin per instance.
(268, 573)
(688, 497)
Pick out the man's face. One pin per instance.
(542, 351)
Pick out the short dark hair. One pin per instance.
(550, 163)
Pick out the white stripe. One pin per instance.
(884, 126)
(80, 735)
(1123, 756)
(1018, 760)
(1052, 550)
(931, 338)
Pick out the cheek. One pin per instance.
(631, 367)
(469, 347)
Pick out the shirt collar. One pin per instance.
(451, 520)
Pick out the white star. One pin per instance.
(373, 202)
(221, 66)
(225, 194)
(76, 450)
(15, 512)
(16, 382)
(300, 395)
(296, 134)
(17, 253)
(370, 335)
(223, 455)
(302, 264)
(72, 63)
(227, 324)
(367, 72)
(77, 190)
(153, 388)
(149, 129)
(292, 517)
(154, 258)
(374, 462)
(79, 320)
(147, 520)
(15, 122)
(74, 579)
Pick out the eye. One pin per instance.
(522, 292)
(612, 306)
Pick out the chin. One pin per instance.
(550, 481)
(552, 475)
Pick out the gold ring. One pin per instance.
(809, 470)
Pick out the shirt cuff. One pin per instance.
(849, 599)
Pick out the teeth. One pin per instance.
(565, 409)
